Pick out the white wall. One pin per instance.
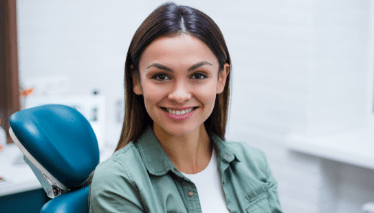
(86, 41)
(280, 50)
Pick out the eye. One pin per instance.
(159, 75)
(200, 75)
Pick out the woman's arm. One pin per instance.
(113, 190)
(273, 198)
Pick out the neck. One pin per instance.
(189, 153)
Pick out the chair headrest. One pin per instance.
(61, 139)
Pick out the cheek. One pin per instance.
(206, 95)
(153, 94)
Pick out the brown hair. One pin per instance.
(170, 19)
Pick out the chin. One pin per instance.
(177, 130)
(182, 130)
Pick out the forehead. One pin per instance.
(180, 49)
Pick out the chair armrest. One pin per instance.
(70, 202)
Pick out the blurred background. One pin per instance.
(302, 84)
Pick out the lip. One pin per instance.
(179, 108)
(180, 117)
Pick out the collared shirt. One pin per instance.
(141, 178)
(209, 187)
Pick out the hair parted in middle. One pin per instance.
(170, 19)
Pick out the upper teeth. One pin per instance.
(179, 112)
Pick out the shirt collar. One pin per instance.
(158, 163)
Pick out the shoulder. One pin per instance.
(244, 149)
(113, 187)
(122, 165)
(247, 153)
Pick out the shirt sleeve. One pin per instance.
(113, 190)
(273, 198)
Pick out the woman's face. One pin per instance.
(177, 72)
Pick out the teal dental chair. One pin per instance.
(61, 148)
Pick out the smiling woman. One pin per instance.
(182, 57)
(172, 155)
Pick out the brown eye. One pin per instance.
(159, 77)
(199, 76)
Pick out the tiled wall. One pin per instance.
(294, 63)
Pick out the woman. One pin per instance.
(172, 155)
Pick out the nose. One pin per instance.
(180, 93)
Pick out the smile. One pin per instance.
(177, 112)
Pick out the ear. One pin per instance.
(137, 87)
(222, 78)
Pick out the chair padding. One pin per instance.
(61, 139)
(70, 202)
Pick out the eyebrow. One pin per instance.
(193, 67)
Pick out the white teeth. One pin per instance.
(179, 112)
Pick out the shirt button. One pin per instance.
(227, 156)
(175, 169)
(190, 193)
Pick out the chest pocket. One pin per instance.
(258, 202)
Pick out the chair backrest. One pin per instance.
(61, 148)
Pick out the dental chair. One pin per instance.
(61, 148)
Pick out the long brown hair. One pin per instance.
(170, 19)
(166, 21)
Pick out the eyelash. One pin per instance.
(163, 74)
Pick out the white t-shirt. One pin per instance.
(209, 189)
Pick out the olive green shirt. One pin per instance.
(141, 178)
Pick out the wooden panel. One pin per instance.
(9, 83)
